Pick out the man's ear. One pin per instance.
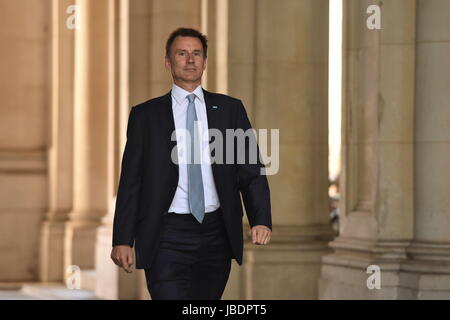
(204, 64)
(167, 62)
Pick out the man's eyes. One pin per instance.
(183, 53)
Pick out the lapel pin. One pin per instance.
(215, 107)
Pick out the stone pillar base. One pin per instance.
(402, 274)
(113, 282)
(79, 243)
(288, 268)
(51, 258)
(429, 269)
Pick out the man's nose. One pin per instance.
(190, 58)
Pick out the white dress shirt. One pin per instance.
(180, 202)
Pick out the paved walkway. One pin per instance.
(15, 295)
(45, 292)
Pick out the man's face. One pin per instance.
(186, 61)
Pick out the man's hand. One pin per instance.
(122, 256)
(261, 234)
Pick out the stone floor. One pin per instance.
(16, 295)
(47, 291)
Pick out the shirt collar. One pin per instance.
(179, 94)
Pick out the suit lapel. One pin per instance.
(213, 115)
(215, 121)
(168, 125)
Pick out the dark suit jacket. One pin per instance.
(149, 178)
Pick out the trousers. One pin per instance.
(193, 260)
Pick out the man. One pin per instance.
(183, 217)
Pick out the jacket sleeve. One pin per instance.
(252, 181)
(127, 202)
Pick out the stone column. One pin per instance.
(215, 25)
(60, 154)
(277, 65)
(291, 93)
(93, 115)
(429, 267)
(165, 16)
(151, 23)
(112, 282)
(377, 179)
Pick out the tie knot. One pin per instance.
(190, 97)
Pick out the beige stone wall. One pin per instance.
(24, 134)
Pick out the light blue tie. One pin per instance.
(195, 181)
